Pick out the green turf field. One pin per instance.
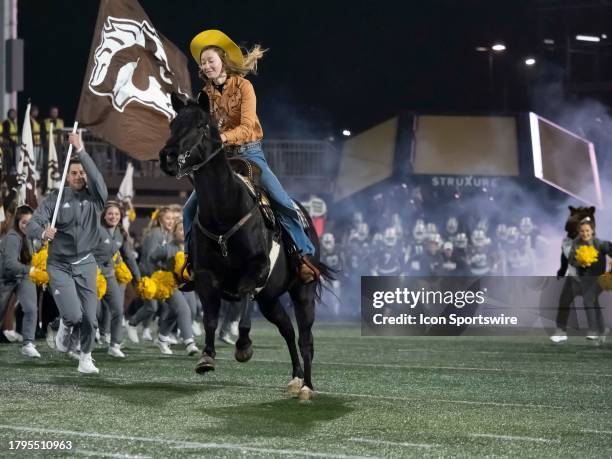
(377, 397)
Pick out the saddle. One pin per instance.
(250, 174)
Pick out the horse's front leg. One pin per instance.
(211, 304)
(244, 346)
(303, 297)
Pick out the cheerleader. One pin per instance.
(113, 241)
(15, 267)
(176, 306)
(157, 234)
(588, 256)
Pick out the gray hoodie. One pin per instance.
(163, 256)
(155, 239)
(78, 218)
(11, 268)
(108, 246)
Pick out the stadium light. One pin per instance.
(530, 61)
(604, 36)
(590, 38)
(549, 41)
(499, 47)
(346, 133)
(482, 49)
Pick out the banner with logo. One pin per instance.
(131, 73)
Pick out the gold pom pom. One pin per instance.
(39, 261)
(165, 283)
(100, 284)
(131, 215)
(179, 262)
(586, 255)
(154, 214)
(146, 288)
(39, 276)
(123, 273)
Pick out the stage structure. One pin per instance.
(477, 152)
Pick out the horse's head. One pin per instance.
(194, 136)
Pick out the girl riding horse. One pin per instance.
(233, 106)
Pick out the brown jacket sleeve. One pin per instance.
(248, 116)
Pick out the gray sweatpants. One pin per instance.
(74, 290)
(26, 295)
(176, 307)
(145, 313)
(104, 313)
(190, 297)
(112, 302)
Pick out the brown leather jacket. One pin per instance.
(235, 110)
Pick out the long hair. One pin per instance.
(249, 64)
(155, 221)
(120, 227)
(25, 256)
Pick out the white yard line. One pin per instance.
(451, 351)
(84, 452)
(515, 438)
(183, 443)
(392, 443)
(607, 432)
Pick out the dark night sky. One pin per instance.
(331, 64)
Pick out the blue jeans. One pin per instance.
(281, 203)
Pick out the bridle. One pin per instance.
(220, 239)
(183, 157)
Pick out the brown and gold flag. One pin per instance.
(131, 72)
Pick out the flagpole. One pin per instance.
(61, 188)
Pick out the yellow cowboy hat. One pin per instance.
(215, 38)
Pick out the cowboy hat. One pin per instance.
(215, 38)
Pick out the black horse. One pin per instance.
(236, 248)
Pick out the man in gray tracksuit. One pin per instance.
(71, 264)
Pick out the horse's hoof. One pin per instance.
(243, 355)
(294, 386)
(206, 363)
(306, 394)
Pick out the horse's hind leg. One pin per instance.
(304, 305)
(211, 305)
(244, 346)
(275, 313)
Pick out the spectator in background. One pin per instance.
(57, 123)
(37, 139)
(10, 137)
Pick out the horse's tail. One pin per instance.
(328, 274)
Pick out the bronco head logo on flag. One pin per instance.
(132, 71)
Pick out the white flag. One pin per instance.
(53, 174)
(126, 189)
(26, 169)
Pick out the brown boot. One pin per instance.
(307, 271)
